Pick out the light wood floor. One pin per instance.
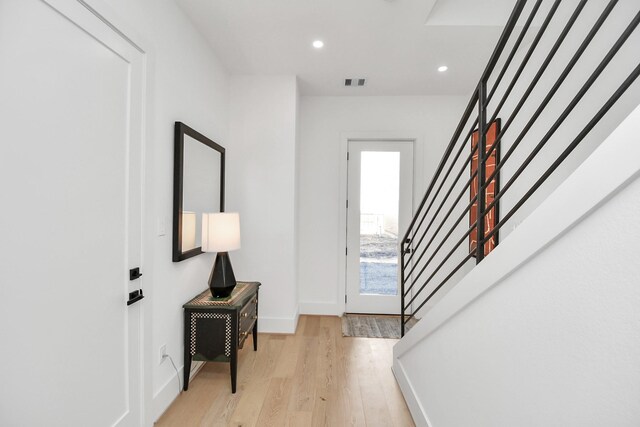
(316, 377)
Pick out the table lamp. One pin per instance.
(221, 234)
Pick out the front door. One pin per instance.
(71, 109)
(380, 188)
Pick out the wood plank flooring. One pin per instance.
(316, 377)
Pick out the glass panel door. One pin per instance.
(380, 188)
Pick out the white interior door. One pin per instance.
(71, 113)
(380, 189)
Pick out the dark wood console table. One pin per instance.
(215, 328)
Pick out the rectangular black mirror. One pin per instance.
(198, 187)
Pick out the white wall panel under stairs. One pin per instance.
(546, 330)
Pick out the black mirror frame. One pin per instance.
(180, 130)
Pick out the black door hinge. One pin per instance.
(135, 296)
(134, 273)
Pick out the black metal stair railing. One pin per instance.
(432, 250)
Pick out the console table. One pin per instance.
(215, 328)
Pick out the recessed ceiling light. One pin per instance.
(443, 68)
(318, 44)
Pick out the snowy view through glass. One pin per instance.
(379, 192)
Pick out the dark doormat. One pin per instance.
(372, 325)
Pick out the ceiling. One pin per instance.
(396, 44)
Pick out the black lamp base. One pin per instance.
(222, 280)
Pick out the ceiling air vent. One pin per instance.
(354, 82)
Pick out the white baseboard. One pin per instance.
(278, 325)
(169, 391)
(320, 308)
(417, 411)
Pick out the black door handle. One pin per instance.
(135, 296)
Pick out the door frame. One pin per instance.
(105, 13)
(356, 302)
(418, 176)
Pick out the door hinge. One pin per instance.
(347, 204)
(347, 156)
(134, 273)
(135, 296)
(345, 299)
(346, 251)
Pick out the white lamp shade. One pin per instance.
(188, 230)
(220, 232)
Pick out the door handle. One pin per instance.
(135, 296)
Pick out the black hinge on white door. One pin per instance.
(134, 273)
(135, 296)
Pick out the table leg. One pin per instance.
(187, 352)
(234, 368)
(255, 336)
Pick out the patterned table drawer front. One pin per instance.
(205, 335)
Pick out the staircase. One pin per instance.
(534, 116)
(521, 261)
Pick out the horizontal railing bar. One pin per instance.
(576, 141)
(526, 58)
(444, 199)
(514, 49)
(465, 116)
(445, 280)
(576, 99)
(435, 196)
(446, 258)
(583, 46)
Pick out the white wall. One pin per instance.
(261, 186)
(188, 84)
(322, 121)
(546, 331)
